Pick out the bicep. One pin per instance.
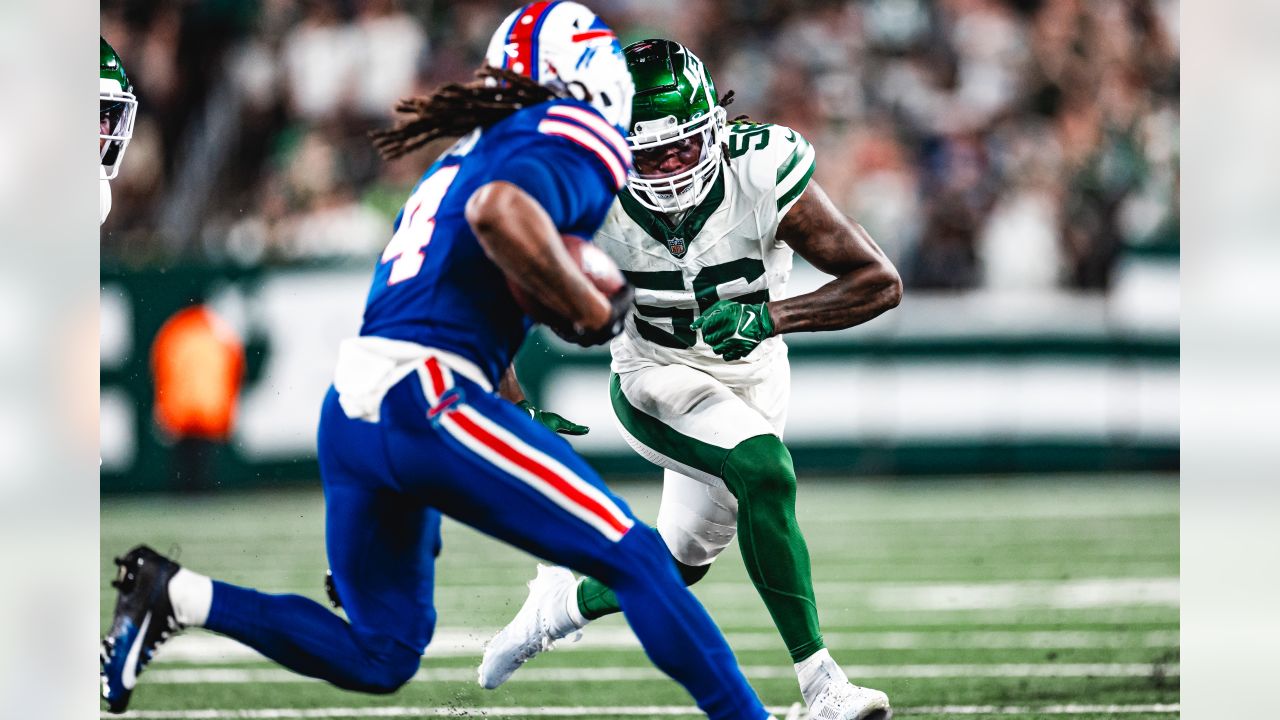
(825, 237)
(563, 182)
(541, 181)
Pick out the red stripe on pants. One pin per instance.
(545, 474)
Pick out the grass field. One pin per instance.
(1016, 598)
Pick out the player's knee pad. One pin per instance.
(694, 539)
(759, 471)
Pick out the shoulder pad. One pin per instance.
(583, 125)
(775, 158)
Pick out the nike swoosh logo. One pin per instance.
(751, 317)
(129, 677)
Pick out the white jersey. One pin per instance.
(725, 248)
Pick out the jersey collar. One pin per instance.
(676, 239)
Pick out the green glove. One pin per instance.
(734, 329)
(553, 421)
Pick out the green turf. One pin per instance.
(898, 567)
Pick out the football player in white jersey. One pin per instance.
(705, 232)
(117, 111)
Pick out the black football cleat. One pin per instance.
(143, 620)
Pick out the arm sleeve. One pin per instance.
(795, 160)
(567, 181)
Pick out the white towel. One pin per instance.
(368, 367)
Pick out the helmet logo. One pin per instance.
(592, 35)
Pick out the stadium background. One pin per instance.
(1017, 159)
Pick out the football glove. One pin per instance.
(734, 329)
(554, 422)
(619, 304)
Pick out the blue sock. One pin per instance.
(306, 637)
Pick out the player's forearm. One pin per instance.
(850, 299)
(865, 285)
(520, 238)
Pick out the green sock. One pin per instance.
(760, 474)
(595, 600)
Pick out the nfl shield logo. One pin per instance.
(676, 246)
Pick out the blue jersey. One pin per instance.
(434, 285)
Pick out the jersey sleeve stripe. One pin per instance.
(794, 189)
(794, 159)
(599, 125)
(590, 141)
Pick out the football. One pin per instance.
(593, 262)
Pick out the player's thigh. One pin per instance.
(485, 462)
(381, 543)
(772, 395)
(697, 521)
(683, 419)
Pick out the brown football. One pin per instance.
(593, 262)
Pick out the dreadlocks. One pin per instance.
(457, 109)
(726, 101)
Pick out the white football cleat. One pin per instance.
(542, 620)
(846, 701)
(830, 695)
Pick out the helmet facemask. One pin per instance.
(119, 109)
(682, 190)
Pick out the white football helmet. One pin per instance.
(563, 45)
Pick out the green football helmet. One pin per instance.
(675, 99)
(117, 111)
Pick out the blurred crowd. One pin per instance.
(983, 143)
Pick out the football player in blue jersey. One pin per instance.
(412, 428)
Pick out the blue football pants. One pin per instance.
(446, 445)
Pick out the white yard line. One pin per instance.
(204, 648)
(1070, 594)
(836, 614)
(1172, 708)
(890, 594)
(896, 597)
(203, 676)
(1083, 593)
(607, 711)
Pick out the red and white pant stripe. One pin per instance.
(500, 447)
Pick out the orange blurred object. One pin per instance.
(197, 362)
